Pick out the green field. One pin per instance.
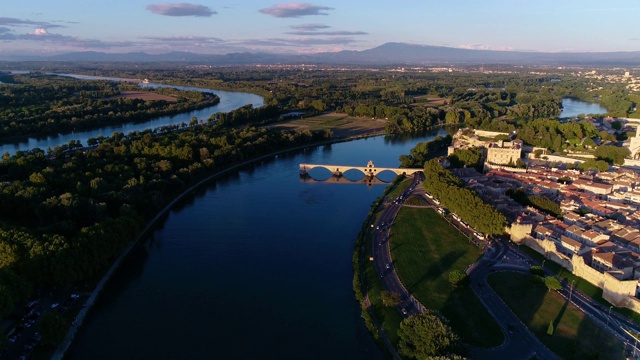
(424, 249)
(340, 124)
(576, 336)
(416, 201)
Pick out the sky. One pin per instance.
(50, 27)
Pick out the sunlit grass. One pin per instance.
(425, 249)
(575, 335)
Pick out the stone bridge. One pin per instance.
(369, 181)
(370, 170)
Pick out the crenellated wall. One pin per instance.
(621, 293)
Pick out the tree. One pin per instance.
(458, 278)
(616, 125)
(390, 299)
(552, 283)
(537, 153)
(53, 327)
(536, 270)
(592, 164)
(424, 335)
(452, 117)
(612, 154)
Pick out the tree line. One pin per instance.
(42, 105)
(447, 188)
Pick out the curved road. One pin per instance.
(519, 343)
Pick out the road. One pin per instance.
(382, 256)
(519, 343)
(615, 323)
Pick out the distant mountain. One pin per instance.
(400, 53)
(386, 54)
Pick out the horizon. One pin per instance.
(42, 28)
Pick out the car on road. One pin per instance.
(404, 311)
(388, 266)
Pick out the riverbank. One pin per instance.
(114, 267)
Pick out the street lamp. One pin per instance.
(572, 286)
(609, 314)
(543, 264)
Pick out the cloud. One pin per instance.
(310, 27)
(43, 36)
(296, 42)
(181, 9)
(295, 10)
(183, 39)
(6, 21)
(485, 47)
(329, 33)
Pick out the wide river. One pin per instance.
(229, 100)
(257, 264)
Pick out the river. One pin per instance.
(229, 100)
(257, 264)
(572, 108)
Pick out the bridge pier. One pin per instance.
(369, 171)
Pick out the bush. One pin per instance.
(536, 270)
(390, 299)
(458, 278)
(552, 283)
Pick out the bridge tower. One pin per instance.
(370, 170)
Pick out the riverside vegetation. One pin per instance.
(43, 105)
(65, 213)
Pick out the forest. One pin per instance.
(66, 213)
(42, 105)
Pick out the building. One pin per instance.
(634, 145)
(504, 153)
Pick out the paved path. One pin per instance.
(519, 343)
(382, 256)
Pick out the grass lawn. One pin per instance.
(581, 284)
(416, 201)
(341, 124)
(424, 249)
(404, 184)
(576, 336)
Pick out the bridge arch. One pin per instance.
(370, 170)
